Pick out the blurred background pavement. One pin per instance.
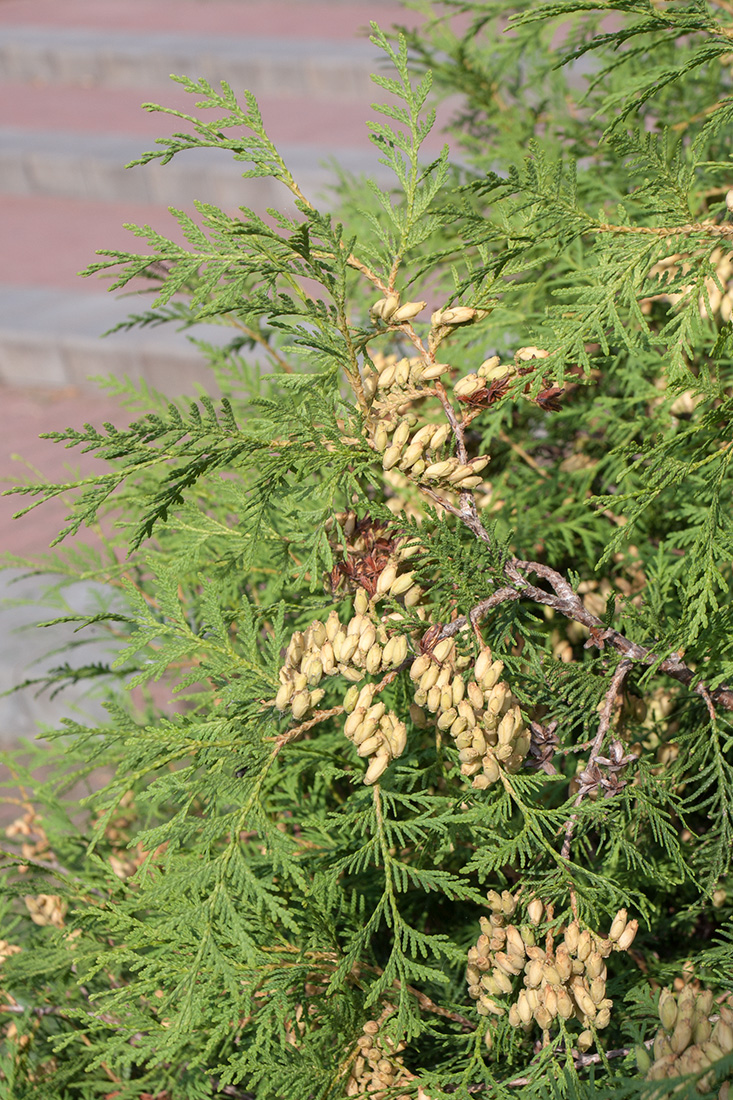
(73, 74)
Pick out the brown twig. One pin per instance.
(566, 602)
(663, 231)
(615, 686)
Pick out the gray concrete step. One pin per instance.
(92, 166)
(320, 69)
(51, 337)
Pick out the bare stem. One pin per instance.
(603, 726)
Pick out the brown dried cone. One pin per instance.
(353, 650)
(479, 712)
(566, 979)
(695, 1034)
(377, 1067)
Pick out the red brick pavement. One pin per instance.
(294, 19)
(24, 415)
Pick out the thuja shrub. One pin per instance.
(434, 797)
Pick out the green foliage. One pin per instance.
(261, 891)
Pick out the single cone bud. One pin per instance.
(535, 910)
(377, 308)
(457, 690)
(667, 1009)
(300, 704)
(435, 370)
(361, 602)
(593, 965)
(503, 981)
(643, 1061)
(397, 739)
(391, 303)
(369, 384)
(332, 626)
(419, 666)
(543, 1017)
(461, 471)
(702, 1030)
(491, 769)
(522, 355)
(618, 925)
(585, 945)
(494, 1008)
(626, 938)
(418, 716)
(440, 437)
(367, 637)
(681, 1036)
(350, 698)
(412, 455)
(407, 312)
(446, 720)
(429, 677)
(475, 695)
(313, 671)
(489, 364)
(534, 973)
(443, 649)
(723, 1036)
(401, 434)
(458, 315)
(284, 696)
(348, 648)
(464, 387)
(551, 975)
(661, 1047)
(438, 470)
(603, 1018)
(584, 1002)
(412, 596)
(572, 936)
(565, 1006)
(363, 732)
(483, 663)
(469, 482)
(373, 660)
(585, 1040)
(402, 584)
(515, 1019)
(370, 746)
(386, 579)
(524, 1009)
(377, 768)
(392, 456)
(387, 376)
(490, 679)
(514, 941)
